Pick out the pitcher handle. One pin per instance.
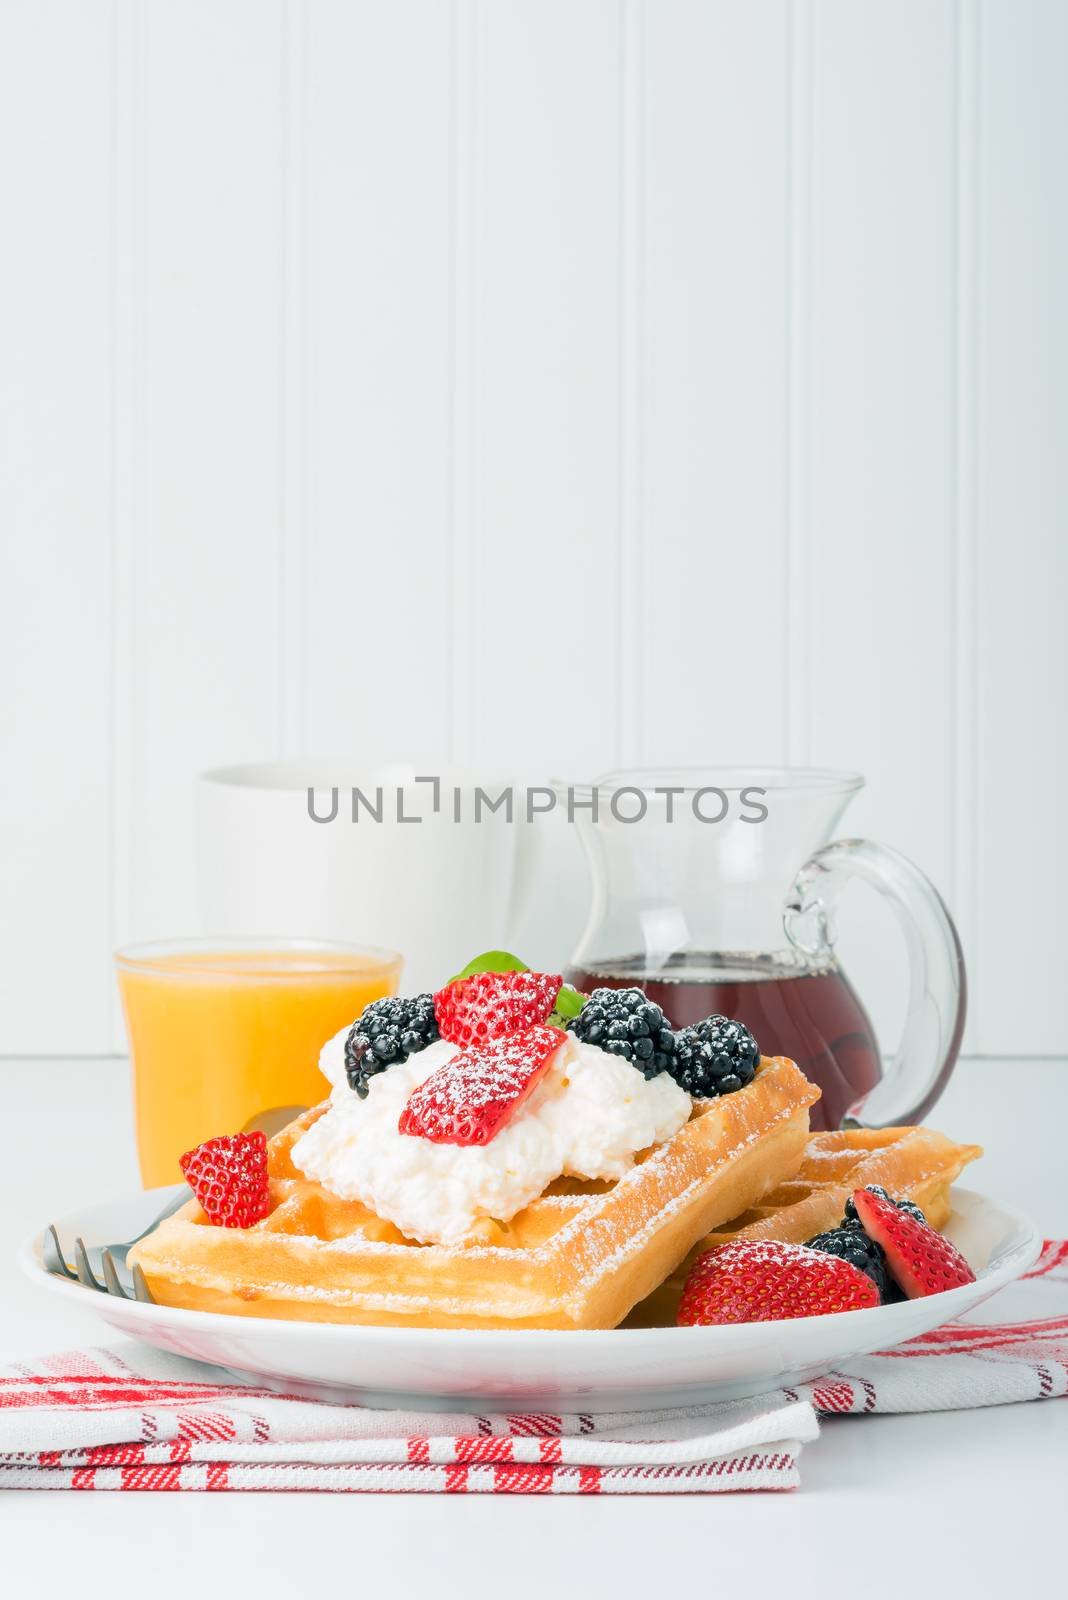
(938, 991)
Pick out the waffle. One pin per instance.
(580, 1256)
(910, 1163)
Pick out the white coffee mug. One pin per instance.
(385, 856)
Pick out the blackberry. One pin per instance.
(385, 1032)
(854, 1246)
(626, 1023)
(909, 1207)
(715, 1056)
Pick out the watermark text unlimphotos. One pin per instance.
(625, 804)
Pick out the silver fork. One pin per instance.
(108, 1260)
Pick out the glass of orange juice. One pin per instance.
(225, 1032)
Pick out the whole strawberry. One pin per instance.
(762, 1280)
(228, 1175)
(488, 1005)
(921, 1260)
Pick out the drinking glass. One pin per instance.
(226, 1032)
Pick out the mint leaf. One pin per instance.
(567, 1005)
(569, 1002)
(491, 961)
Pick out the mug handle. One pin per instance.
(938, 990)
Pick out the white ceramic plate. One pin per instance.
(529, 1369)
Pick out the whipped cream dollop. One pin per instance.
(588, 1118)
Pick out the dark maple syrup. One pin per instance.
(814, 1017)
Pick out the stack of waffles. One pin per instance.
(579, 1256)
(915, 1164)
(584, 1251)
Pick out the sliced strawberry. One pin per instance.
(763, 1281)
(921, 1260)
(490, 1004)
(470, 1098)
(228, 1175)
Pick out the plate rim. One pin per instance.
(1021, 1256)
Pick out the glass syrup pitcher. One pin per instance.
(715, 890)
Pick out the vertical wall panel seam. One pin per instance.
(119, 551)
(293, 398)
(630, 677)
(965, 799)
(128, 424)
(459, 422)
(798, 553)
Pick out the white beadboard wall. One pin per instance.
(538, 383)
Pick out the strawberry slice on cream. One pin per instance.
(469, 1099)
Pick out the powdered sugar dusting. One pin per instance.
(586, 1118)
(582, 1237)
(753, 1280)
(486, 1005)
(469, 1099)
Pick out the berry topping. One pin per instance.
(854, 1246)
(921, 1259)
(626, 1023)
(715, 1056)
(761, 1280)
(470, 1098)
(385, 1032)
(472, 1010)
(909, 1207)
(228, 1175)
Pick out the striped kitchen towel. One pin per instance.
(132, 1417)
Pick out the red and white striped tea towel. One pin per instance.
(131, 1417)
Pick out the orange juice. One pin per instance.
(220, 1035)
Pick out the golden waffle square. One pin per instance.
(910, 1163)
(580, 1256)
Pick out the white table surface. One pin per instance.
(896, 1505)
